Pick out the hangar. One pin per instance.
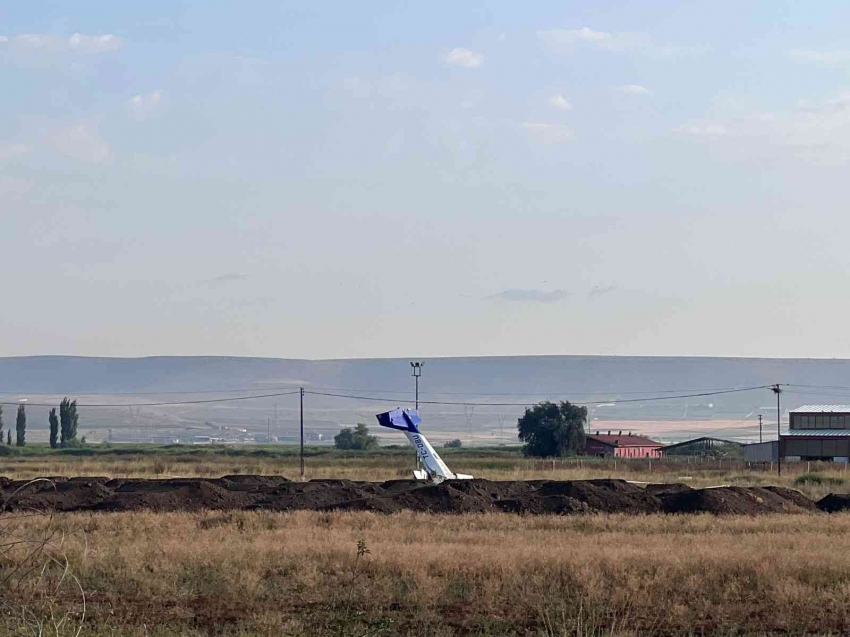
(817, 432)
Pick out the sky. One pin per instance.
(376, 179)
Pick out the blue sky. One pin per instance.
(391, 179)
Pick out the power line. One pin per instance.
(602, 402)
(184, 402)
(371, 390)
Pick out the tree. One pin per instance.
(54, 428)
(457, 443)
(358, 439)
(1, 424)
(9, 437)
(68, 421)
(21, 427)
(548, 429)
(344, 439)
(362, 439)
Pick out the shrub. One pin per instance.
(817, 478)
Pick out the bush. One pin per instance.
(457, 443)
(817, 478)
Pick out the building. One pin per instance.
(761, 451)
(817, 432)
(622, 446)
(704, 446)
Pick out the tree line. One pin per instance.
(63, 428)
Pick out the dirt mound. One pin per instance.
(667, 489)
(834, 502)
(454, 496)
(737, 500)
(604, 496)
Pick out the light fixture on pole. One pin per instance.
(416, 372)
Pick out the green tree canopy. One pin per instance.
(344, 439)
(54, 428)
(21, 427)
(358, 438)
(68, 421)
(549, 429)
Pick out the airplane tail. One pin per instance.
(408, 420)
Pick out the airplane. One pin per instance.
(408, 420)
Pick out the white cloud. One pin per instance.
(144, 105)
(634, 89)
(549, 133)
(560, 102)
(80, 142)
(816, 131)
(707, 129)
(52, 42)
(3, 39)
(94, 43)
(566, 40)
(840, 56)
(10, 150)
(588, 35)
(465, 58)
(531, 296)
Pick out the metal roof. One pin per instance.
(817, 433)
(822, 409)
(696, 440)
(623, 440)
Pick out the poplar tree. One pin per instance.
(54, 428)
(68, 421)
(21, 427)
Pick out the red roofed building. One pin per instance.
(621, 446)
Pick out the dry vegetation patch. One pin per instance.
(258, 573)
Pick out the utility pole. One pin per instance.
(760, 439)
(777, 390)
(416, 372)
(268, 431)
(301, 395)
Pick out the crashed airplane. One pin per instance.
(408, 420)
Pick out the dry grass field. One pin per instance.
(361, 574)
(496, 574)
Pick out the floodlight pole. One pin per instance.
(301, 396)
(777, 390)
(416, 372)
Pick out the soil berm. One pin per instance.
(275, 493)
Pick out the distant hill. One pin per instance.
(495, 381)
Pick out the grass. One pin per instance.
(813, 479)
(350, 574)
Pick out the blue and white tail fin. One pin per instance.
(408, 421)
